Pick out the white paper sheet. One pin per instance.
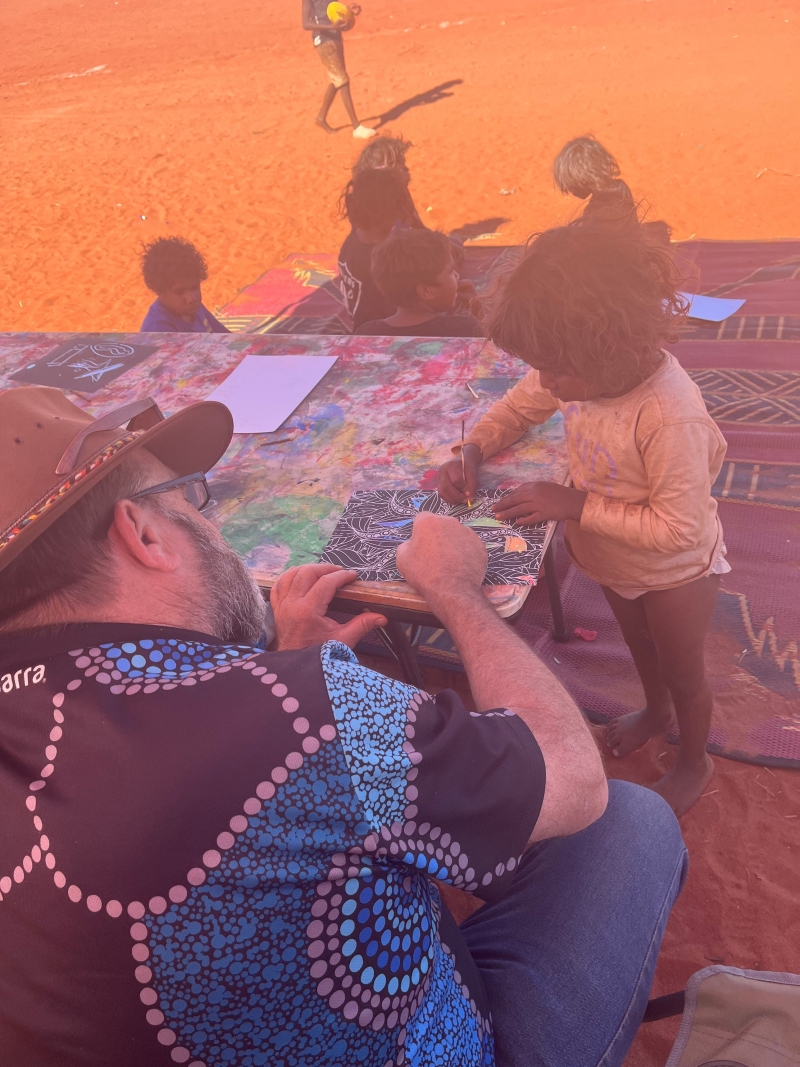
(263, 391)
(711, 308)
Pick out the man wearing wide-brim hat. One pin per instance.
(212, 854)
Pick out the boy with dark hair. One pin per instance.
(327, 40)
(174, 269)
(415, 269)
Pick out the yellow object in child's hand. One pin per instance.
(516, 544)
(340, 15)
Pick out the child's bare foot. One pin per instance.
(323, 125)
(631, 731)
(684, 782)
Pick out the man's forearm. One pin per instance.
(504, 673)
(502, 670)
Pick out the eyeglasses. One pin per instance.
(195, 489)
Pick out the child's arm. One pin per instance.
(677, 459)
(310, 20)
(526, 405)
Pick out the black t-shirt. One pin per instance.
(326, 31)
(213, 855)
(438, 326)
(616, 202)
(362, 297)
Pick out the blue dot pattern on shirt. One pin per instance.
(300, 949)
(370, 714)
(163, 659)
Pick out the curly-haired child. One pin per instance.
(174, 270)
(585, 169)
(589, 307)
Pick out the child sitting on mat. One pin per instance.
(174, 269)
(388, 153)
(589, 307)
(585, 169)
(374, 202)
(415, 269)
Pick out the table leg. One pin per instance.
(553, 592)
(404, 651)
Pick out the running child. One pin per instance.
(327, 40)
(589, 308)
(415, 269)
(174, 270)
(374, 202)
(585, 169)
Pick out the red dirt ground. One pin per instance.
(199, 116)
(201, 120)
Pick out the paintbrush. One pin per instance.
(463, 468)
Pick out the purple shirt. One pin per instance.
(161, 320)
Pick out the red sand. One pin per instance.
(201, 120)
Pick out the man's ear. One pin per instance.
(146, 537)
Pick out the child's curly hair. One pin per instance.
(595, 298)
(169, 260)
(584, 166)
(383, 153)
(376, 199)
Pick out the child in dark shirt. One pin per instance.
(585, 169)
(174, 269)
(374, 202)
(415, 269)
(388, 153)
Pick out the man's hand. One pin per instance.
(453, 487)
(539, 502)
(300, 599)
(443, 560)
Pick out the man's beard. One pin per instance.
(234, 605)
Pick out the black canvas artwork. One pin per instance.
(376, 521)
(84, 364)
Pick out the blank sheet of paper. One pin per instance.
(711, 308)
(263, 391)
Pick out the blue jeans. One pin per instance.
(567, 956)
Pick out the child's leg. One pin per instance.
(327, 100)
(632, 731)
(678, 620)
(347, 100)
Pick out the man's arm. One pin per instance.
(446, 562)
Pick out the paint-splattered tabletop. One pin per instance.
(384, 417)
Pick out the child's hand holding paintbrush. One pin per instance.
(458, 479)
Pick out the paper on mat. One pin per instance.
(263, 391)
(711, 308)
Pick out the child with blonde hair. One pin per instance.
(589, 308)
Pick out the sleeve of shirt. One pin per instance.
(677, 459)
(449, 792)
(155, 320)
(526, 404)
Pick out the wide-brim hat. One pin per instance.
(52, 452)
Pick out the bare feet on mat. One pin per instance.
(323, 125)
(631, 731)
(683, 784)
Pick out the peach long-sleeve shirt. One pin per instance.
(647, 461)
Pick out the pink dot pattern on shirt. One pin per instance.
(95, 665)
